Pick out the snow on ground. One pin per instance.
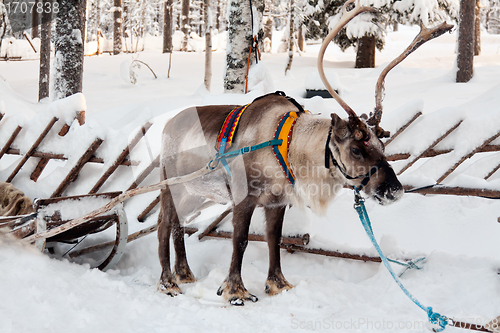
(458, 235)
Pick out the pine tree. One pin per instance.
(168, 26)
(465, 50)
(68, 59)
(117, 27)
(185, 26)
(367, 31)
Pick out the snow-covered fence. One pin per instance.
(45, 156)
(446, 152)
(56, 153)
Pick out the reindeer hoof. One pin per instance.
(184, 276)
(274, 287)
(236, 295)
(170, 289)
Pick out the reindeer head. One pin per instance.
(354, 146)
(355, 150)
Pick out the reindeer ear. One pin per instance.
(339, 126)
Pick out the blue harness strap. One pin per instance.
(434, 317)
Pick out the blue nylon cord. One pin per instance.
(241, 151)
(434, 317)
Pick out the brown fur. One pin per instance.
(13, 201)
(257, 180)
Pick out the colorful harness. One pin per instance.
(280, 142)
(284, 133)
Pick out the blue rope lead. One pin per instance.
(220, 156)
(434, 317)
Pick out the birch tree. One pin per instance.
(208, 44)
(290, 38)
(243, 25)
(3, 23)
(45, 33)
(68, 59)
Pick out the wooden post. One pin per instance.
(438, 140)
(76, 169)
(155, 163)
(462, 191)
(10, 140)
(405, 126)
(453, 168)
(32, 149)
(119, 160)
(130, 238)
(495, 169)
(142, 216)
(298, 240)
(44, 161)
(215, 223)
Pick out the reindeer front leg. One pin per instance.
(276, 282)
(232, 289)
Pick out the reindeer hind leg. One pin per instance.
(167, 284)
(276, 282)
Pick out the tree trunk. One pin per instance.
(465, 51)
(477, 45)
(185, 27)
(68, 60)
(167, 27)
(3, 23)
(217, 17)
(34, 22)
(117, 26)
(365, 55)
(208, 44)
(290, 39)
(45, 32)
(97, 29)
(301, 39)
(239, 42)
(268, 34)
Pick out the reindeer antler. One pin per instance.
(423, 36)
(344, 19)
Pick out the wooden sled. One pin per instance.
(53, 212)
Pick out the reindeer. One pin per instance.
(322, 155)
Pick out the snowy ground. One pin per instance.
(459, 235)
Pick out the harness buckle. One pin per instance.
(216, 161)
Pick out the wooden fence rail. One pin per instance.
(123, 159)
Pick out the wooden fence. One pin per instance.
(405, 162)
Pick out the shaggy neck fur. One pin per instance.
(315, 185)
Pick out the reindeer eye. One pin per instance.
(356, 152)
